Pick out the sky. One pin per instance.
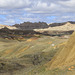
(49, 11)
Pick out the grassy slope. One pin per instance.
(42, 70)
(30, 53)
(66, 56)
(63, 62)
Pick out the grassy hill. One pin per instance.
(62, 63)
(66, 56)
(19, 57)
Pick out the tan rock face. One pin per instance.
(66, 56)
(42, 26)
(9, 27)
(65, 27)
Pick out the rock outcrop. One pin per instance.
(30, 26)
(67, 26)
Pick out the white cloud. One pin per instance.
(37, 10)
(52, 6)
(14, 3)
(39, 6)
(69, 3)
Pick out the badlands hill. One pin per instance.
(30, 25)
(42, 26)
(63, 61)
(9, 27)
(60, 24)
(67, 26)
(66, 56)
(25, 53)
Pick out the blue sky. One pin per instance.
(19, 11)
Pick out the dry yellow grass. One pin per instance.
(50, 42)
(22, 50)
(61, 44)
(8, 51)
(55, 47)
(31, 39)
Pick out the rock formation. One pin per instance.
(30, 26)
(66, 56)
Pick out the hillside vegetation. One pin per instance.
(19, 57)
(62, 63)
(66, 56)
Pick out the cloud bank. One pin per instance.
(18, 11)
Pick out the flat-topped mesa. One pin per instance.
(30, 26)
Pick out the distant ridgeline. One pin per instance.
(39, 25)
(60, 24)
(30, 25)
(27, 28)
